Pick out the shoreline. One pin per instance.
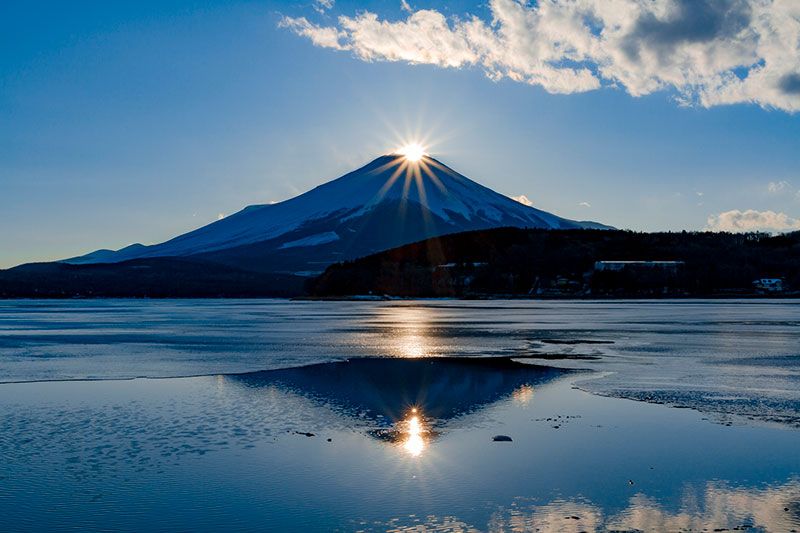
(389, 298)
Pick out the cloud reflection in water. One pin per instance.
(717, 507)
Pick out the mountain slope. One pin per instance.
(388, 202)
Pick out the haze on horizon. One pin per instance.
(123, 122)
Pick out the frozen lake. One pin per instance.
(380, 416)
(724, 357)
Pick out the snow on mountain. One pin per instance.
(313, 240)
(333, 213)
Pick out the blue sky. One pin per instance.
(127, 122)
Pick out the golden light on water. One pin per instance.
(413, 346)
(410, 332)
(523, 394)
(410, 434)
(414, 443)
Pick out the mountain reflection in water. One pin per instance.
(408, 402)
(408, 399)
(398, 445)
(386, 389)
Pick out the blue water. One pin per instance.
(246, 446)
(227, 452)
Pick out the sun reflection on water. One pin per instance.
(523, 394)
(409, 335)
(415, 434)
(412, 346)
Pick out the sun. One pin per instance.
(412, 152)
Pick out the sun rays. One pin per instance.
(413, 152)
(415, 167)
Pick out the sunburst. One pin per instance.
(413, 152)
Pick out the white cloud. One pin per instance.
(584, 204)
(752, 220)
(522, 199)
(321, 6)
(324, 37)
(776, 187)
(710, 52)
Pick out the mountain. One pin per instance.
(389, 202)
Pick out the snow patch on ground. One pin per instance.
(313, 240)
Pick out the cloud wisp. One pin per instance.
(321, 6)
(751, 220)
(524, 200)
(776, 187)
(710, 52)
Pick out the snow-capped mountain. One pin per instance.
(389, 202)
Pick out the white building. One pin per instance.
(769, 284)
(617, 266)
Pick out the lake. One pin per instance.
(281, 415)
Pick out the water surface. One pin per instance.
(412, 447)
(318, 416)
(726, 357)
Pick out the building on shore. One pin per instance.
(639, 278)
(768, 285)
(619, 266)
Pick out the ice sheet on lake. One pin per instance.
(723, 357)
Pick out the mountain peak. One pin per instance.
(389, 192)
